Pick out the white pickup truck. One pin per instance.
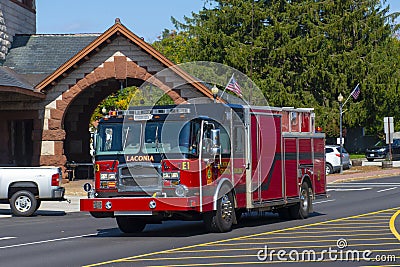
(25, 187)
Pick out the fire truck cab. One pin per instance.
(208, 162)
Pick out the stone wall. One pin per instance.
(14, 19)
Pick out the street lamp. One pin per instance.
(340, 99)
(214, 91)
(104, 110)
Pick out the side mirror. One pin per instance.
(216, 143)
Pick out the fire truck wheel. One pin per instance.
(302, 209)
(130, 225)
(221, 220)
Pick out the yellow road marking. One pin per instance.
(377, 216)
(313, 236)
(215, 264)
(247, 236)
(180, 258)
(349, 230)
(194, 257)
(374, 218)
(300, 235)
(392, 226)
(253, 262)
(294, 247)
(361, 223)
(258, 262)
(263, 241)
(249, 249)
(338, 226)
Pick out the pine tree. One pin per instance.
(304, 53)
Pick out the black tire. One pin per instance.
(130, 225)
(370, 160)
(302, 209)
(221, 220)
(23, 203)
(328, 168)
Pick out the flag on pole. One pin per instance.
(356, 92)
(234, 86)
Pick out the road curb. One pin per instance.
(362, 176)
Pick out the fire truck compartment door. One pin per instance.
(266, 161)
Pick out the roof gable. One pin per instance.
(116, 30)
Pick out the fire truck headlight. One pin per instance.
(181, 190)
(107, 176)
(171, 175)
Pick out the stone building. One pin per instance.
(16, 16)
(50, 85)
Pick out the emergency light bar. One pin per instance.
(147, 114)
(155, 111)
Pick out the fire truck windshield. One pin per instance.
(150, 137)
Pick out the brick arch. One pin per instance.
(120, 69)
(116, 68)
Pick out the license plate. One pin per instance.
(97, 205)
(371, 155)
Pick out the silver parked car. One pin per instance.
(332, 158)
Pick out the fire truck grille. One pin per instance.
(139, 178)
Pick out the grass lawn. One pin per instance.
(357, 156)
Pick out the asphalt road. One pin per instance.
(358, 219)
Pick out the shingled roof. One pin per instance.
(12, 83)
(9, 78)
(44, 53)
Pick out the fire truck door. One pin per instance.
(266, 163)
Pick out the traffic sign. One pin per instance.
(388, 124)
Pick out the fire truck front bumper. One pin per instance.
(140, 205)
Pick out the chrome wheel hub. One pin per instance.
(23, 203)
(227, 208)
(304, 199)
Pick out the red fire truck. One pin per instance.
(208, 162)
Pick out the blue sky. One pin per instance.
(145, 18)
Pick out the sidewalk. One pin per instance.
(351, 175)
